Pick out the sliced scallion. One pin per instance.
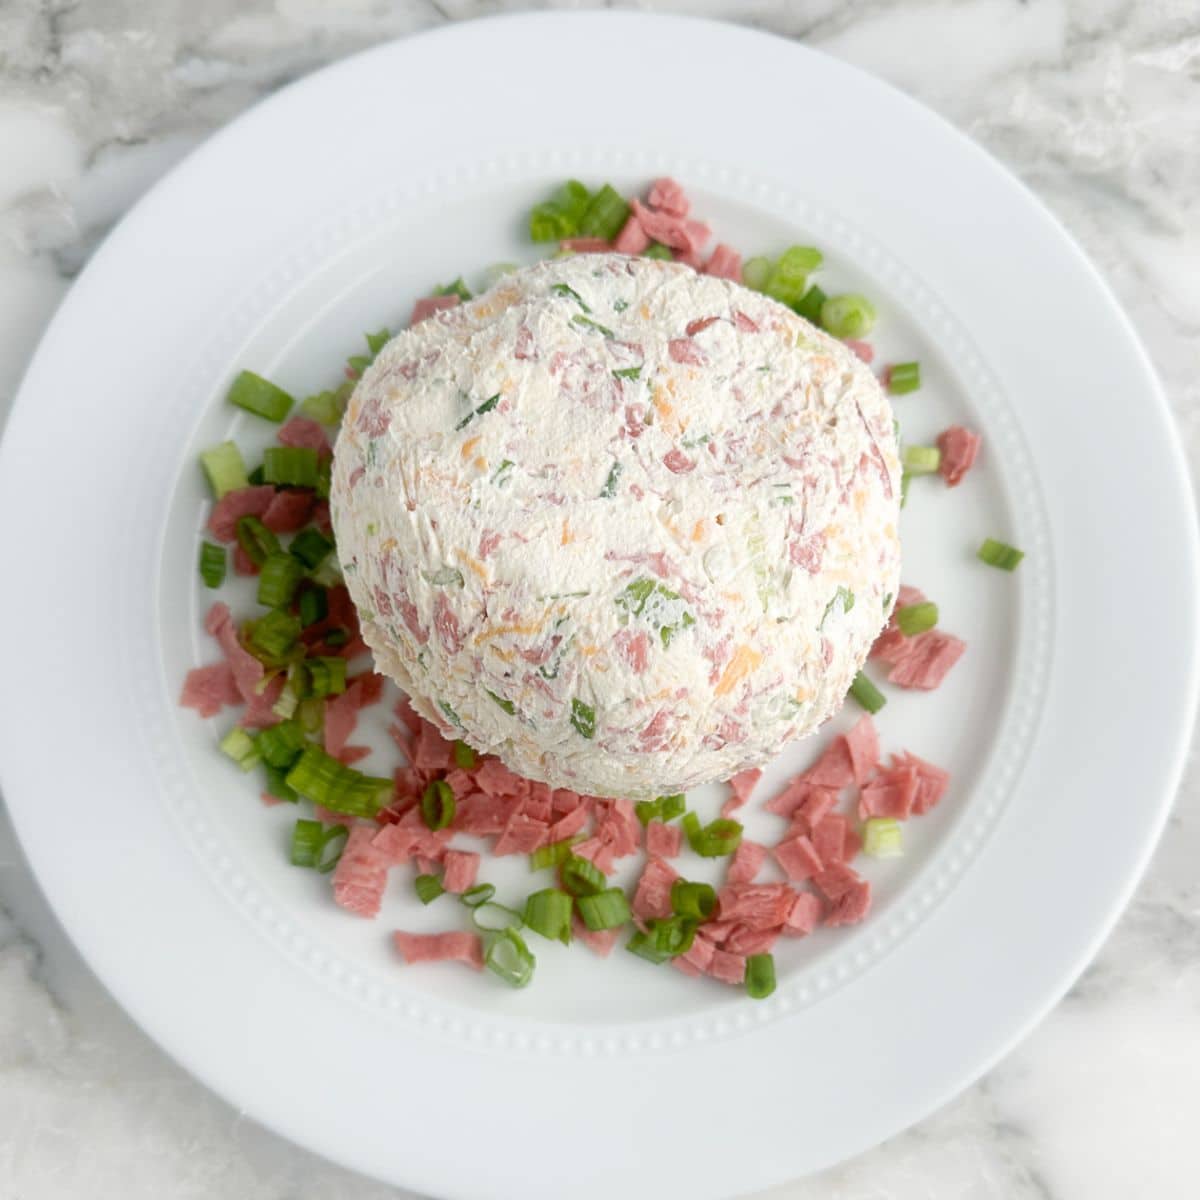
(608, 909)
(552, 855)
(481, 893)
(212, 564)
(548, 912)
(281, 744)
(916, 618)
(883, 837)
(755, 273)
(1000, 554)
(428, 888)
(255, 539)
(238, 745)
(760, 976)
(695, 900)
(605, 216)
(464, 756)
(582, 878)
(867, 694)
(437, 804)
(510, 959)
(224, 469)
(319, 777)
(278, 581)
(310, 547)
(921, 460)
(848, 316)
(714, 840)
(903, 377)
(314, 606)
(258, 395)
(290, 466)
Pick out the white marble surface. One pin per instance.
(1094, 103)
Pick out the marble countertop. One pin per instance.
(1094, 103)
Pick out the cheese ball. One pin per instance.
(628, 527)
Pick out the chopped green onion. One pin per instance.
(314, 606)
(510, 959)
(867, 694)
(559, 217)
(279, 579)
(258, 395)
(494, 918)
(273, 637)
(716, 839)
(905, 480)
(319, 777)
(789, 277)
(290, 466)
(310, 547)
(810, 305)
(583, 718)
(921, 460)
(256, 476)
(1000, 554)
(324, 478)
(224, 469)
(665, 808)
(760, 976)
(672, 806)
(328, 574)
(428, 888)
(281, 744)
(916, 618)
(326, 675)
(582, 878)
(311, 715)
(883, 837)
(628, 373)
(903, 377)
(755, 273)
(240, 746)
(293, 692)
(608, 909)
(609, 490)
(255, 539)
(642, 944)
(848, 316)
(457, 288)
(212, 564)
(673, 936)
(326, 408)
(481, 893)
(548, 912)
(464, 756)
(659, 251)
(277, 784)
(307, 840)
(438, 804)
(695, 900)
(553, 855)
(605, 216)
(317, 846)
(648, 810)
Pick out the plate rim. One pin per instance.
(1181, 740)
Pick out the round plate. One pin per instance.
(323, 213)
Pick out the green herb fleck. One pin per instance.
(562, 289)
(583, 718)
(581, 320)
(485, 407)
(609, 490)
(508, 706)
(628, 373)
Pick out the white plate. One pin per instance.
(324, 213)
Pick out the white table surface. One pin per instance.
(1094, 103)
